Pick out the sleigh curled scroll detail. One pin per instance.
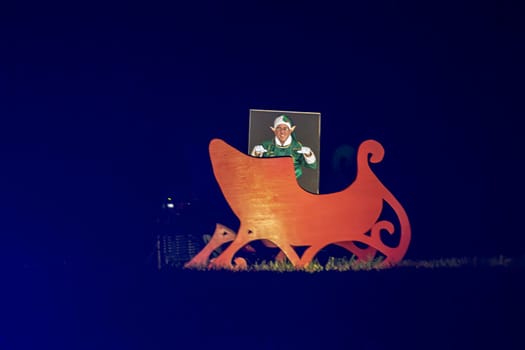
(271, 206)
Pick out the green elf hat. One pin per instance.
(282, 119)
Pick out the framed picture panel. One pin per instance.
(307, 132)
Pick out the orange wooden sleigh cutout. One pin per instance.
(264, 194)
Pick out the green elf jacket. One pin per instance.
(273, 150)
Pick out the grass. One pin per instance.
(353, 264)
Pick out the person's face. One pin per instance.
(282, 132)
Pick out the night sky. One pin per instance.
(108, 108)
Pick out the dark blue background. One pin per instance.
(107, 108)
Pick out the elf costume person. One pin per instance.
(285, 144)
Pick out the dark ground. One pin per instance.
(401, 308)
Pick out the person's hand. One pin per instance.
(306, 151)
(259, 150)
